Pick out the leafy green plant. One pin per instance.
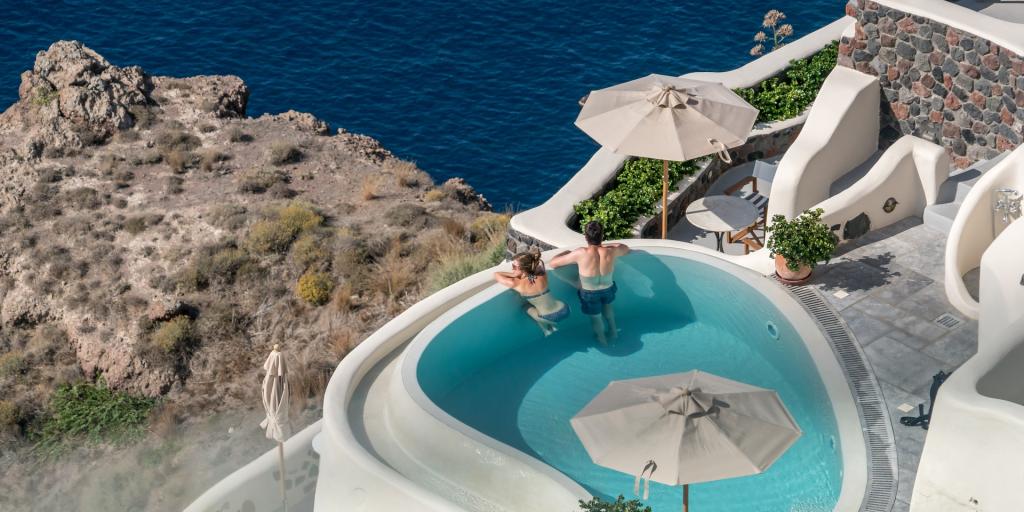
(93, 412)
(789, 94)
(804, 240)
(12, 363)
(636, 192)
(174, 335)
(315, 288)
(619, 505)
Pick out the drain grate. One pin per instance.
(880, 495)
(948, 321)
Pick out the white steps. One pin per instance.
(940, 216)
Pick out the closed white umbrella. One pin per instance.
(685, 428)
(668, 118)
(275, 403)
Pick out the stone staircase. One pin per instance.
(940, 215)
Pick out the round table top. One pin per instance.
(721, 213)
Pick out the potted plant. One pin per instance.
(799, 244)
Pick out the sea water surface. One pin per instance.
(485, 90)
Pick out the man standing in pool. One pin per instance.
(596, 264)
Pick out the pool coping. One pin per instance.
(856, 458)
(879, 438)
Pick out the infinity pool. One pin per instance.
(492, 369)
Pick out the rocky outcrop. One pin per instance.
(71, 98)
(127, 201)
(302, 120)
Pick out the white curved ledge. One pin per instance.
(910, 171)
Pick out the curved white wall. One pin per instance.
(254, 484)
(841, 132)
(972, 456)
(972, 230)
(911, 171)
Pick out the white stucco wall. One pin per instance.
(972, 230)
(910, 170)
(255, 483)
(841, 132)
(972, 456)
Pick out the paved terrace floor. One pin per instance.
(888, 287)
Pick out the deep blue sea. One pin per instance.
(486, 90)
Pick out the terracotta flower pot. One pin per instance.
(787, 275)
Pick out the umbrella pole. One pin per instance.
(664, 199)
(686, 497)
(280, 457)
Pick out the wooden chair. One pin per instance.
(747, 237)
(759, 201)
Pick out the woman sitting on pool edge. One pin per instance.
(530, 279)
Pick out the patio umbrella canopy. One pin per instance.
(685, 428)
(667, 118)
(275, 404)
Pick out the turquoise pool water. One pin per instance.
(493, 370)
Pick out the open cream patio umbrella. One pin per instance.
(685, 428)
(275, 403)
(668, 118)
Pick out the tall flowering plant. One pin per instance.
(779, 32)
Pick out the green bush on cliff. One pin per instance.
(636, 191)
(791, 92)
(92, 412)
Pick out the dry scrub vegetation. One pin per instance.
(151, 270)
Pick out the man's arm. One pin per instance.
(619, 248)
(562, 259)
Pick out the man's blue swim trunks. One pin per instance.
(592, 302)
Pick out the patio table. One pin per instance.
(721, 214)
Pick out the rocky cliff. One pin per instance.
(155, 238)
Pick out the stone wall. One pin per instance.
(938, 82)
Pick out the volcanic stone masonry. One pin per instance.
(939, 83)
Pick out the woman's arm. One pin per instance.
(505, 278)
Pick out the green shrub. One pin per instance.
(282, 153)
(789, 94)
(45, 95)
(8, 413)
(260, 180)
(276, 234)
(173, 335)
(315, 288)
(619, 505)
(635, 193)
(12, 363)
(309, 252)
(454, 268)
(135, 225)
(804, 240)
(171, 140)
(92, 412)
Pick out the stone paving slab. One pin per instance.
(888, 287)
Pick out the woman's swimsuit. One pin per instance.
(596, 292)
(544, 301)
